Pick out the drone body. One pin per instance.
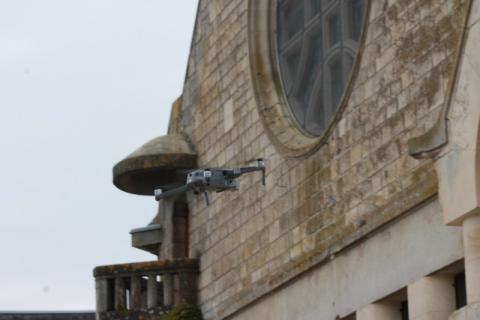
(215, 179)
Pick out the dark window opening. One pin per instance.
(110, 294)
(404, 310)
(460, 290)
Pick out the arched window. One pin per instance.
(317, 41)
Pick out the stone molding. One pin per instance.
(178, 265)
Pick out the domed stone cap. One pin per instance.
(161, 161)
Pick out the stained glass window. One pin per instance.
(317, 41)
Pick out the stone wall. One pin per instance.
(256, 239)
(362, 273)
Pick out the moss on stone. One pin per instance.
(184, 311)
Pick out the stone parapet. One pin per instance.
(47, 315)
(144, 290)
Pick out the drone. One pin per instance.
(212, 179)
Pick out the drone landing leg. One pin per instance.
(206, 198)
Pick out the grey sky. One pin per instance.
(82, 84)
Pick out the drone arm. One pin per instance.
(160, 194)
(237, 172)
(207, 200)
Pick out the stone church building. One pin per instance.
(367, 116)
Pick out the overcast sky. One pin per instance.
(82, 84)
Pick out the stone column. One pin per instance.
(165, 213)
(176, 289)
(167, 280)
(431, 298)
(136, 292)
(101, 292)
(380, 311)
(471, 243)
(120, 294)
(152, 291)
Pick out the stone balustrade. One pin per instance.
(144, 289)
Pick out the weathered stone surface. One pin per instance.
(147, 238)
(141, 268)
(360, 178)
(471, 312)
(457, 164)
(365, 273)
(158, 162)
(177, 284)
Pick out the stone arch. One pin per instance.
(276, 117)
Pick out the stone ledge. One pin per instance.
(47, 315)
(143, 314)
(142, 268)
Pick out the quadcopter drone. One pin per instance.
(214, 179)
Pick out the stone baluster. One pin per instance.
(136, 292)
(139, 280)
(176, 289)
(101, 291)
(120, 294)
(152, 299)
(167, 280)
